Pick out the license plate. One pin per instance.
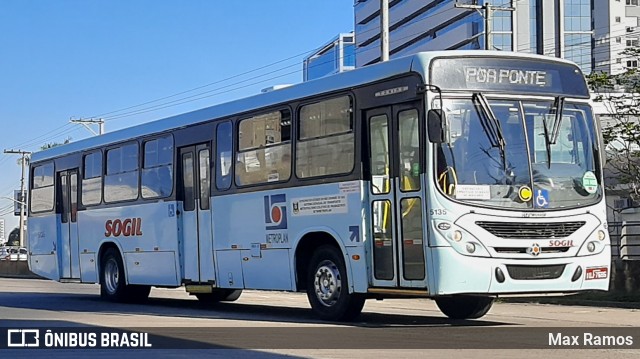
(597, 273)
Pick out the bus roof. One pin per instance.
(418, 63)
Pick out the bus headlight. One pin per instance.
(462, 241)
(595, 244)
(471, 247)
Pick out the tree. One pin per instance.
(14, 238)
(46, 146)
(49, 145)
(620, 95)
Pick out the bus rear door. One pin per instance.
(396, 196)
(197, 236)
(68, 245)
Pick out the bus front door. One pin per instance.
(397, 249)
(68, 245)
(195, 215)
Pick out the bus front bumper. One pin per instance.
(458, 274)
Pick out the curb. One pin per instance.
(20, 276)
(16, 269)
(580, 302)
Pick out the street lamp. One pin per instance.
(23, 205)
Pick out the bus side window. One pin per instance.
(326, 139)
(263, 142)
(92, 179)
(157, 178)
(224, 143)
(121, 179)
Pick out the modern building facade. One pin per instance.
(616, 29)
(335, 56)
(561, 28)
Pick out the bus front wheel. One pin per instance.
(113, 285)
(464, 306)
(327, 287)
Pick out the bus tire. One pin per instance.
(219, 295)
(327, 287)
(113, 284)
(464, 306)
(232, 295)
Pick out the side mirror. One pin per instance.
(436, 126)
(601, 144)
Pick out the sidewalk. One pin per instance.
(590, 299)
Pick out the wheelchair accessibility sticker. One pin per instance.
(541, 198)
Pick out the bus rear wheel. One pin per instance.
(464, 306)
(220, 295)
(327, 287)
(113, 285)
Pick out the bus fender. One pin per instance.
(99, 259)
(338, 240)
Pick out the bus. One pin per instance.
(460, 176)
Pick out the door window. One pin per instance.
(203, 160)
(187, 181)
(379, 129)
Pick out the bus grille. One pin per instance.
(531, 230)
(523, 250)
(524, 272)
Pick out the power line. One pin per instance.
(178, 101)
(209, 84)
(60, 131)
(199, 96)
(57, 130)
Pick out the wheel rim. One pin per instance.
(327, 283)
(111, 275)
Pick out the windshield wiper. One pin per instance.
(489, 122)
(558, 105)
(491, 126)
(552, 137)
(547, 141)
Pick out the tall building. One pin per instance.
(335, 56)
(561, 28)
(616, 29)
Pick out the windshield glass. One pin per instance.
(519, 154)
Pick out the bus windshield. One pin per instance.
(519, 154)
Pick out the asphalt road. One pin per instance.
(275, 324)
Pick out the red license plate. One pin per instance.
(597, 273)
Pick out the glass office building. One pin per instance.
(336, 56)
(560, 28)
(615, 28)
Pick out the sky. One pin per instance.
(131, 62)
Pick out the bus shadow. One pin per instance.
(185, 308)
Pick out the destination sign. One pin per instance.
(490, 75)
(508, 75)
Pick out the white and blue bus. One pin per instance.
(457, 176)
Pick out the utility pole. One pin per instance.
(384, 30)
(487, 13)
(22, 203)
(91, 121)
